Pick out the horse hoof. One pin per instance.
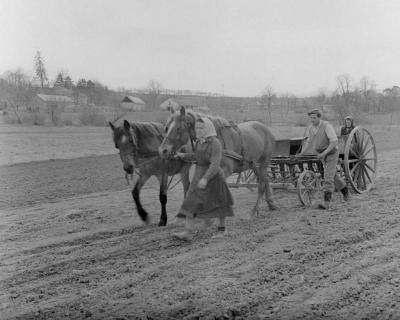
(184, 236)
(220, 235)
(254, 213)
(162, 224)
(273, 207)
(247, 216)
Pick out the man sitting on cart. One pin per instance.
(322, 141)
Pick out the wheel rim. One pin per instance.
(360, 160)
(308, 187)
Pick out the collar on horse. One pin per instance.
(229, 153)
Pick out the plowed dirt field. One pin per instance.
(73, 247)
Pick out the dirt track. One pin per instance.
(72, 247)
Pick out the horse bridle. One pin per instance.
(190, 130)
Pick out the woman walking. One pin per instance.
(208, 195)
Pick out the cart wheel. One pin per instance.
(308, 187)
(360, 160)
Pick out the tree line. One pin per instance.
(18, 89)
(349, 97)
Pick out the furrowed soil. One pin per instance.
(73, 247)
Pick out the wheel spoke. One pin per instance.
(369, 167)
(360, 140)
(353, 160)
(357, 174)
(369, 159)
(365, 145)
(354, 152)
(369, 150)
(354, 168)
(363, 177)
(307, 187)
(367, 174)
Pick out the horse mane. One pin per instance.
(148, 129)
(218, 122)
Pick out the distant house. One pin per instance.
(169, 104)
(132, 103)
(46, 101)
(194, 103)
(329, 111)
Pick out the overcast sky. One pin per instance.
(227, 46)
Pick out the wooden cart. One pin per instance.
(357, 165)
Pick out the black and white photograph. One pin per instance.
(199, 159)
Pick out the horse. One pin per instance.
(248, 145)
(138, 144)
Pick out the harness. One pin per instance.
(143, 158)
(226, 152)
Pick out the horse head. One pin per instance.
(125, 140)
(180, 129)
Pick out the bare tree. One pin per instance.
(18, 93)
(368, 92)
(285, 104)
(40, 69)
(344, 92)
(266, 99)
(322, 95)
(154, 89)
(344, 86)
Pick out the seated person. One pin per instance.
(348, 126)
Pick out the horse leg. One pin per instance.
(263, 188)
(260, 191)
(185, 179)
(136, 197)
(163, 200)
(268, 194)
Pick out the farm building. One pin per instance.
(132, 103)
(329, 111)
(45, 101)
(195, 103)
(169, 104)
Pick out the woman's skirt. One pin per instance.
(214, 201)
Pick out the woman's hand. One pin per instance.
(202, 183)
(179, 155)
(321, 156)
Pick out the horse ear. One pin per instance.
(127, 125)
(111, 125)
(183, 111)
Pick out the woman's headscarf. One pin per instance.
(351, 121)
(345, 129)
(209, 129)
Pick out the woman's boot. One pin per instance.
(327, 200)
(221, 231)
(345, 192)
(186, 235)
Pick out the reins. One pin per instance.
(129, 176)
(153, 156)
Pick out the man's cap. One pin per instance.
(316, 112)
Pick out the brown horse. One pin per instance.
(248, 145)
(138, 148)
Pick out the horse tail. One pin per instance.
(269, 145)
